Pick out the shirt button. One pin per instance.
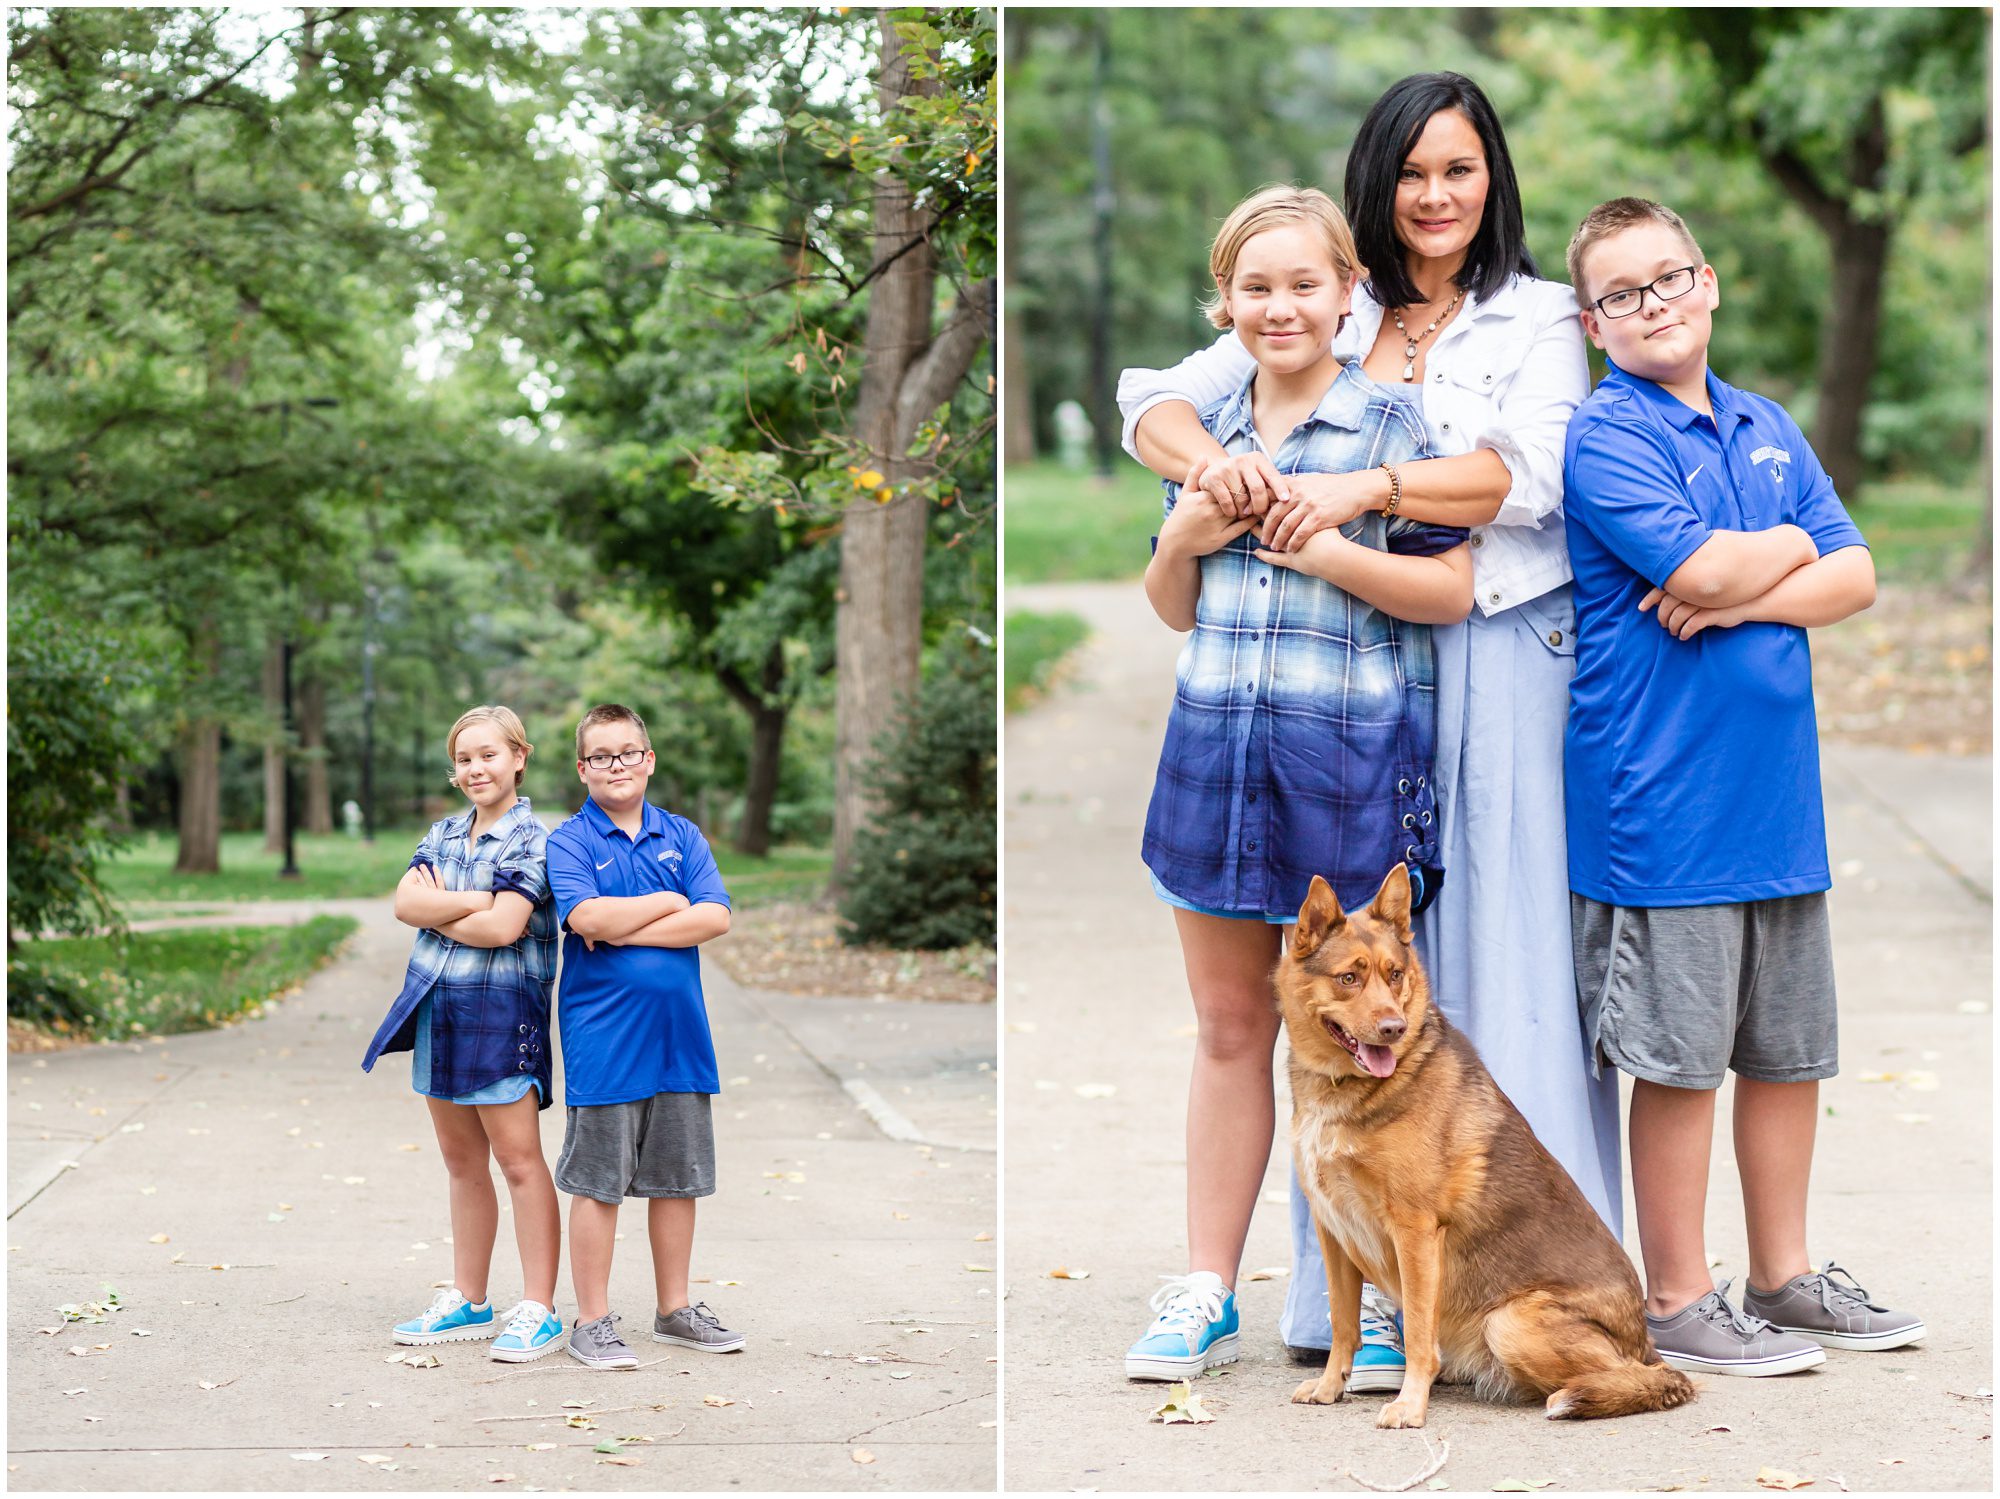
(1492, 598)
(1479, 538)
(1250, 688)
(1263, 582)
(1485, 379)
(1437, 374)
(1250, 796)
(1255, 637)
(1252, 845)
(1555, 637)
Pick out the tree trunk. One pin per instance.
(200, 747)
(908, 374)
(1847, 350)
(317, 816)
(768, 714)
(274, 744)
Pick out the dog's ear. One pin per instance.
(1319, 918)
(1392, 903)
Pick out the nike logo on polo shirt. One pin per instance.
(1697, 469)
(605, 865)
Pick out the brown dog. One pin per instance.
(1427, 1181)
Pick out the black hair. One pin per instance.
(1384, 142)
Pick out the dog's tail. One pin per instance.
(1623, 1390)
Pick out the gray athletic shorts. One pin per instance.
(1676, 994)
(663, 1146)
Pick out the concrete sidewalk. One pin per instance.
(1098, 1049)
(304, 1208)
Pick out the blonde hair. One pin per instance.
(1274, 207)
(605, 713)
(506, 720)
(1615, 217)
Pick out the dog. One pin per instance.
(1426, 1181)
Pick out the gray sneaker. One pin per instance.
(1712, 1337)
(598, 1345)
(1836, 1313)
(696, 1327)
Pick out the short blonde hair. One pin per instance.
(1615, 217)
(506, 720)
(605, 713)
(1271, 208)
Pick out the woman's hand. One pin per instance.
(1243, 483)
(1318, 554)
(1321, 502)
(1201, 523)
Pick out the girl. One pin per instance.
(475, 1009)
(1454, 314)
(1301, 733)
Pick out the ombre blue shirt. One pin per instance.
(489, 1009)
(1304, 719)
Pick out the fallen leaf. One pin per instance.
(409, 1147)
(354, 1181)
(376, 1457)
(623, 1460)
(577, 1405)
(142, 1332)
(1890, 1462)
(541, 1446)
(609, 1444)
(1706, 1430)
(1095, 1090)
(78, 1391)
(395, 1358)
(1269, 1272)
(1521, 1485)
(1778, 1478)
(862, 1455)
(421, 1361)
(717, 1400)
(499, 1477)
(581, 1423)
(1182, 1404)
(148, 1191)
(982, 1238)
(1063, 1272)
(159, 1239)
(308, 1457)
(899, 1217)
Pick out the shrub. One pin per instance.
(925, 869)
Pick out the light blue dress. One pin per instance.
(1496, 945)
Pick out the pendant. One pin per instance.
(1410, 349)
(1410, 370)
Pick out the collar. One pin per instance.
(460, 824)
(1344, 405)
(1365, 323)
(652, 821)
(1676, 412)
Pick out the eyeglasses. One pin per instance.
(1624, 303)
(605, 762)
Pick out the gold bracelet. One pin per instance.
(1395, 491)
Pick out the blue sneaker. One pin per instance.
(1195, 1329)
(451, 1319)
(1378, 1362)
(532, 1330)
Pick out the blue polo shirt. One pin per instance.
(1691, 767)
(632, 1019)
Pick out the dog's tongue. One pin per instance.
(1378, 1061)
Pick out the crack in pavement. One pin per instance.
(915, 1415)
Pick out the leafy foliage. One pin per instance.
(926, 868)
(69, 744)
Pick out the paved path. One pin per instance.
(1095, 1000)
(264, 1149)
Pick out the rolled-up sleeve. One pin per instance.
(1205, 376)
(1529, 422)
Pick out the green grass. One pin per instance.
(1036, 645)
(162, 983)
(1920, 531)
(1064, 526)
(336, 867)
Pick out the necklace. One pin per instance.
(1410, 341)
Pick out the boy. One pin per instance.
(638, 891)
(1705, 537)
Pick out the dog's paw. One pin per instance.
(1319, 1392)
(1401, 1413)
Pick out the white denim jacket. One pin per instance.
(1505, 374)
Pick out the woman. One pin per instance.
(1454, 314)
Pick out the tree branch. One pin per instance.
(928, 383)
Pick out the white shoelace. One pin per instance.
(1378, 1318)
(444, 1304)
(524, 1319)
(1184, 1306)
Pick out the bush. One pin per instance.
(925, 869)
(69, 741)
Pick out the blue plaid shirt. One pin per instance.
(1304, 719)
(490, 1005)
